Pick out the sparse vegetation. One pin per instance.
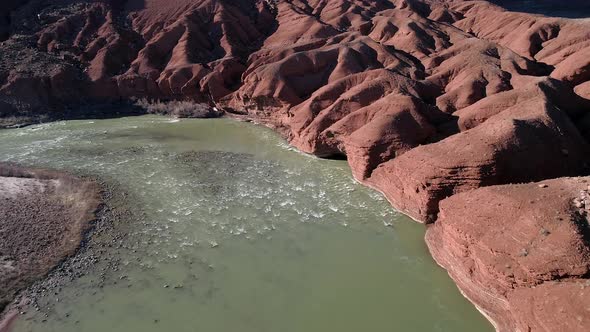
(179, 109)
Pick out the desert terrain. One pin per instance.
(468, 117)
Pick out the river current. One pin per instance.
(234, 230)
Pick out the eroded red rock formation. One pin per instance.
(528, 270)
(428, 99)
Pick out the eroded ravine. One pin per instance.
(234, 230)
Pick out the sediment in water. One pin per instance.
(507, 77)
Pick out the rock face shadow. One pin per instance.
(556, 8)
(131, 5)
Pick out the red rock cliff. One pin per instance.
(427, 99)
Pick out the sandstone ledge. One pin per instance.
(521, 253)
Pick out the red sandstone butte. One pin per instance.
(427, 99)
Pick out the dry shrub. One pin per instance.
(179, 109)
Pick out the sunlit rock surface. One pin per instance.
(425, 98)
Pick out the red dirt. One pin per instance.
(428, 99)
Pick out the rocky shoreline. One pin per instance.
(45, 216)
(446, 106)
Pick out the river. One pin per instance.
(233, 230)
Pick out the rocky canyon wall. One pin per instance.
(441, 105)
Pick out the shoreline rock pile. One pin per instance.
(44, 216)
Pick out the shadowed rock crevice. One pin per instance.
(6, 9)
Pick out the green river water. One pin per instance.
(237, 232)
